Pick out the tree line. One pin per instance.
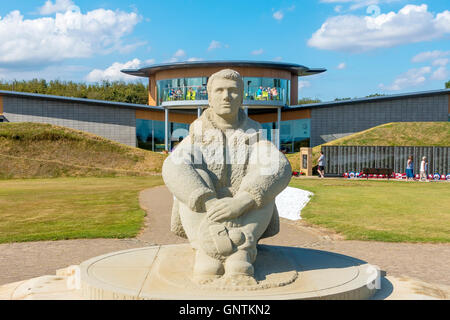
(315, 100)
(135, 92)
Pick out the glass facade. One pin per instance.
(150, 134)
(264, 89)
(295, 134)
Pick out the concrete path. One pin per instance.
(20, 261)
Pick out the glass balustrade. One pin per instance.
(200, 93)
(257, 89)
(265, 93)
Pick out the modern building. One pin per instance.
(177, 96)
(269, 87)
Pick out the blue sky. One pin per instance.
(367, 46)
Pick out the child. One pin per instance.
(423, 169)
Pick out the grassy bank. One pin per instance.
(391, 211)
(35, 150)
(70, 208)
(390, 134)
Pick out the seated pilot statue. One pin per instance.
(225, 176)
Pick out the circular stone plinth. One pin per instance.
(164, 272)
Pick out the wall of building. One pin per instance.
(187, 118)
(339, 120)
(115, 123)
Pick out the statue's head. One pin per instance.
(225, 93)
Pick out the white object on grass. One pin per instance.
(291, 201)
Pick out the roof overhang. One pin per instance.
(295, 69)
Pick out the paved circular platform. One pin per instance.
(164, 272)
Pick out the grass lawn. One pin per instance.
(393, 211)
(69, 208)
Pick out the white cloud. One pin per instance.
(214, 45)
(278, 15)
(437, 59)
(430, 55)
(257, 52)
(112, 73)
(180, 53)
(440, 62)
(278, 58)
(356, 4)
(342, 66)
(353, 33)
(411, 78)
(59, 6)
(68, 35)
(440, 74)
(303, 84)
(338, 8)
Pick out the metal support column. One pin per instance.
(246, 110)
(166, 129)
(278, 127)
(199, 112)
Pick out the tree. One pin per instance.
(133, 92)
(447, 85)
(308, 101)
(375, 95)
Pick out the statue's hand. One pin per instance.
(228, 208)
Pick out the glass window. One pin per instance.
(267, 130)
(266, 89)
(150, 134)
(158, 132)
(182, 89)
(295, 134)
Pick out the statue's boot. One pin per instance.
(239, 266)
(206, 268)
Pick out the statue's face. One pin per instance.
(225, 97)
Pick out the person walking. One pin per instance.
(423, 169)
(410, 169)
(321, 165)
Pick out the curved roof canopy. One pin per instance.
(295, 69)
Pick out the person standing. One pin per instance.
(423, 169)
(259, 94)
(410, 169)
(321, 165)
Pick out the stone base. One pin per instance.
(164, 272)
(315, 269)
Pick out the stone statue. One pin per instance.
(225, 176)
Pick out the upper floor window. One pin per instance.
(264, 89)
